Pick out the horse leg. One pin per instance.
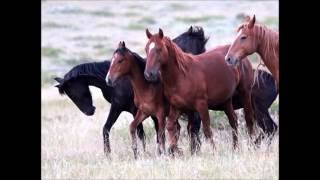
(112, 117)
(161, 131)
(233, 121)
(193, 130)
(202, 108)
(269, 126)
(196, 127)
(156, 126)
(139, 117)
(173, 129)
(141, 136)
(248, 113)
(259, 115)
(276, 76)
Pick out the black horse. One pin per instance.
(77, 81)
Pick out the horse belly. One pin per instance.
(177, 101)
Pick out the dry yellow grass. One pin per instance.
(72, 148)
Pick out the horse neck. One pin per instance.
(268, 52)
(170, 72)
(137, 80)
(102, 85)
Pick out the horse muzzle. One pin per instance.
(152, 76)
(90, 111)
(232, 61)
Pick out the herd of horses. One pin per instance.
(179, 77)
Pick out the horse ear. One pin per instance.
(190, 29)
(252, 21)
(121, 44)
(149, 35)
(247, 19)
(160, 33)
(59, 80)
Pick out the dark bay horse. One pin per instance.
(196, 82)
(253, 38)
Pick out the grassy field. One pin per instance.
(75, 32)
(72, 148)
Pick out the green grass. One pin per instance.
(106, 51)
(90, 38)
(72, 11)
(102, 13)
(271, 21)
(135, 26)
(131, 13)
(147, 20)
(46, 78)
(200, 18)
(48, 25)
(72, 62)
(274, 108)
(98, 46)
(106, 25)
(179, 6)
(141, 23)
(218, 119)
(50, 52)
(254, 58)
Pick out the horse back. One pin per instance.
(221, 79)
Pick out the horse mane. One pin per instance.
(140, 61)
(268, 38)
(180, 56)
(93, 69)
(196, 33)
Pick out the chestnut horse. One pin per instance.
(252, 38)
(148, 97)
(198, 82)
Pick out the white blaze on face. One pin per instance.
(151, 46)
(112, 61)
(238, 34)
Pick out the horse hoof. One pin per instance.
(175, 150)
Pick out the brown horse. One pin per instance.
(252, 38)
(196, 82)
(148, 97)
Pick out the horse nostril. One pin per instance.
(146, 74)
(109, 82)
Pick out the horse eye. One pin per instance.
(120, 61)
(243, 37)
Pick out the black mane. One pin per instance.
(93, 69)
(192, 41)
